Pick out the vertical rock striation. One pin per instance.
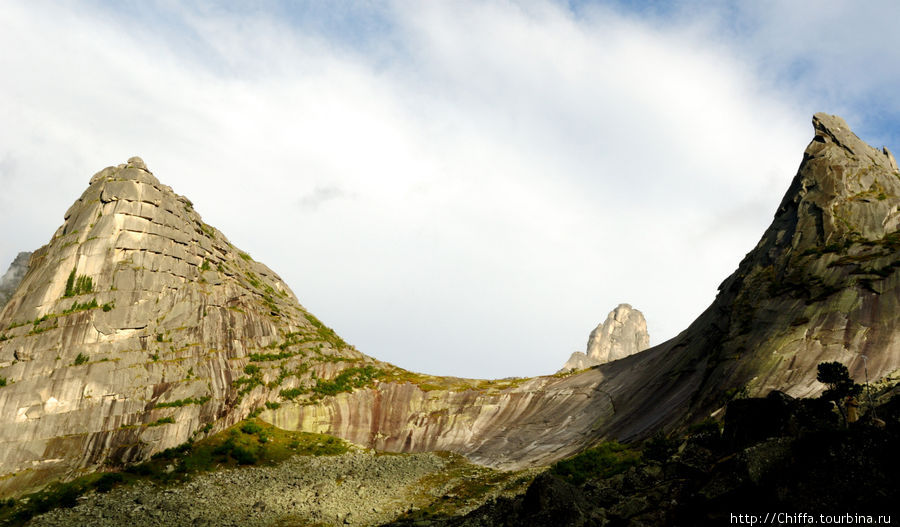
(133, 329)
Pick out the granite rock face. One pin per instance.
(133, 329)
(623, 333)
(13, 276)
(139, 327)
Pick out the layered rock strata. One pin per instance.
(623, 333)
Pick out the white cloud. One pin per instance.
(469, 199)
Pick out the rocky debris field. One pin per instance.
(357, 488)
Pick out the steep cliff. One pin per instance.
(133, 330)
(821, 285)
(623, 333)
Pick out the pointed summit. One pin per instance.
(136, 311)
(623, 333)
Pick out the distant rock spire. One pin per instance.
(623, 333)
(13, 276)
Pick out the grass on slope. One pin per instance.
(250, 442)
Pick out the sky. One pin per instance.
(460, 187)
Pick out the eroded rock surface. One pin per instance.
(623, 333)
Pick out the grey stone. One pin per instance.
(623, 333)
(13, 276)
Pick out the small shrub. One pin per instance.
(81, 307)
(2, 381)
(251, 369)
(271, 405)
(183, 402)
(81, 359)
(244, 456)
(603, 461)
(245, 256)
(292, 393)
(108, 481)
(841, 387)
(108, 307)
(660, 447)
(205, 266)
(162, 421)
(251, 428)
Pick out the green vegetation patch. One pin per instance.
(347, 380)
(163, 421)
(78, 284)
(183, 402)
(324, 332)
(259, 444)
(603, 461)
(81, 359)
(464, 486)
(264, 357)
(82, 307)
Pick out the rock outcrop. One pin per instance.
(623, 333)
(133, 331)
(13, 276)
(821, 285)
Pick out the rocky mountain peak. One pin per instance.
(623, 333)
(833, 129)
(137, 304)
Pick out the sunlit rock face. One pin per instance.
(128, 332)
(623, 333)
(535, 422)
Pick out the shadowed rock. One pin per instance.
(13, 276)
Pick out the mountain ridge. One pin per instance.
(138, 327)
